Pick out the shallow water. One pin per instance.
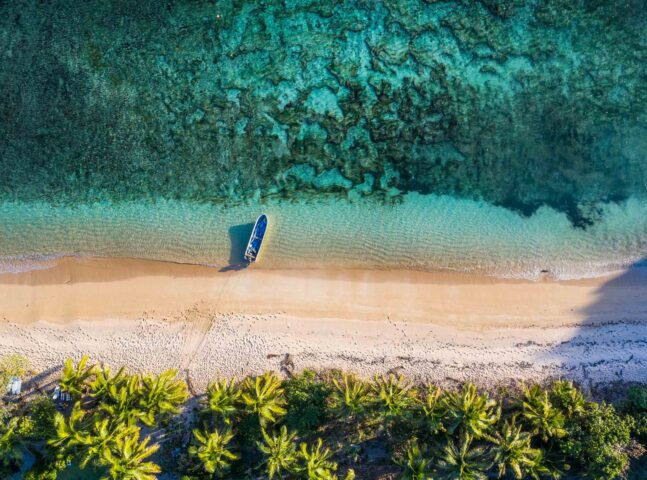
(503, 138)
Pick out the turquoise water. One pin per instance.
(500, 137)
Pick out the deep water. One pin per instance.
(517, 104)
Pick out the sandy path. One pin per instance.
(438, 327)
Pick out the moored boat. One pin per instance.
(256, 239)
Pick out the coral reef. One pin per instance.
(517, 103)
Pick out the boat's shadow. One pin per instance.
(238, 238)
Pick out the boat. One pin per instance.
(256, 239)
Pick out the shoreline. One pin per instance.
(432, 326)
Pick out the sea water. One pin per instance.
(500, 137)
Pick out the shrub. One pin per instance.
(306, 402)
(14, 365)
(41, 413)
(598, 441)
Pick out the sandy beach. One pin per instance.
(439, 327)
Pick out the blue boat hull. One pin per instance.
(256, 239)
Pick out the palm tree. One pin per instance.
(222, 399)
(213, 451)
(97, 444)
(125, 459)
(540, 415)
(317, 462)
(470, 412)
(74, 378)
(71, 433)
(462, 461)
(513, 452)
(351, 396)
(11, 447)
(122, 402)
(280, 452)
(161, 395)
(394, 395)
(435, 410)
(103, 381)
(415, 463)
(569, 399)
(263, 396)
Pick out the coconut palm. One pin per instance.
(280, 452)
(351, 396)
(222, 399)
(394, 395)
(126, 458)
(74, 378)
(97, 443)
(470, 412)
(104, 380)
(71, 433)
(263, 396)
(317, 463)
(11, 447)
(539, 414)
(122, 401)
(462, 461)
(161, 395)
(569, 399)
(513, 452)
(415, 462)
(213, 451)
(435, 410)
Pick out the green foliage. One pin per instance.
(462, 434)
(460, 460)
(280, 452)
(126, 458)
(394, 395)
(213, 451)
(11, 445)
(598, 441)
(306, 402)
(14, 365)
(317, 464)
(568, 399)
(636, 399)
(514, 454)
(434, 408)
(415, 462)
(74, 378)
(222, 399)
(539, 414)
(41, 413)
(470, 413)
(263, 396)
(161, 395)
(351, 396)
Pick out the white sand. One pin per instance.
(436, 327)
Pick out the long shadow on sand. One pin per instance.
(238, 238)
(610, 343)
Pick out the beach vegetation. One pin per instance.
(317, 426)
(306, 402)
(74, 379)
(14, 365)
(263, 396)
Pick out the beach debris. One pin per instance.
(15, 386)
(61, 395)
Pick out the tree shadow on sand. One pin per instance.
(238, 238)
(610, 343)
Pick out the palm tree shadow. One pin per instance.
(238, 238)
